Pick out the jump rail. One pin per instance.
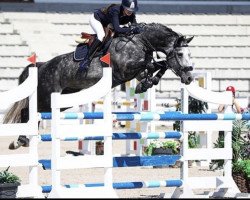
(150, 116)
(28, 89)
(209, 96)
(101, 89)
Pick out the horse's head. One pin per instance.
(160, 38)
(179, 59)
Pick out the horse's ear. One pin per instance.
(179, 41)
(189, 39)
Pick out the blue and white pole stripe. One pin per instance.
(124, 185)
(77, 115)
(150, 116)
(123, 136)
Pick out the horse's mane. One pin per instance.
(158, 26)
(158, 32)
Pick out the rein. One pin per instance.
(148, 44)
(169, 55)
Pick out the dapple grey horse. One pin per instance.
(131, 57)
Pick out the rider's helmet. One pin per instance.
(130, 5)
(231, 88)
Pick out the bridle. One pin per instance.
(169, 55)
(151, 79)
(180, 68)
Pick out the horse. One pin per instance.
(131, 57)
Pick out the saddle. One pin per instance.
(85, 40)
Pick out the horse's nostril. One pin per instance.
(190, 79)
(187, 69)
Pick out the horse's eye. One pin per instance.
(179, 54)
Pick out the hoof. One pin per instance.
(23, 141)
(155, 80)
(14, 145)
(74, 153)
(140, 89)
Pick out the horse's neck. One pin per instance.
(156, 42)
(159, 38)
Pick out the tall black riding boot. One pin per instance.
(93, 47)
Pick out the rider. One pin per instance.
(116, 15)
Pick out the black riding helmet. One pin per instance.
(130, 5)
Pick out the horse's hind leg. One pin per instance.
(22, 139)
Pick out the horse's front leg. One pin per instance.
(149, 70)
(147, 80)
(162, 67)
(158, 76)
(143, 85)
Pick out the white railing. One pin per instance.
(28, 89)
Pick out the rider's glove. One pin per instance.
(135, 30)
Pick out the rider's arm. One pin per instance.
(116, 24)
(134, 19)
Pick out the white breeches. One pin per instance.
(97, 27)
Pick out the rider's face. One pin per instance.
(127, 12)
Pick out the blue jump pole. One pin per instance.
(124, 136)
(124, 185)
(150, 116)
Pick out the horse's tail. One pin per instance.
(14, 113)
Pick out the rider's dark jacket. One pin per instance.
(114, 15)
